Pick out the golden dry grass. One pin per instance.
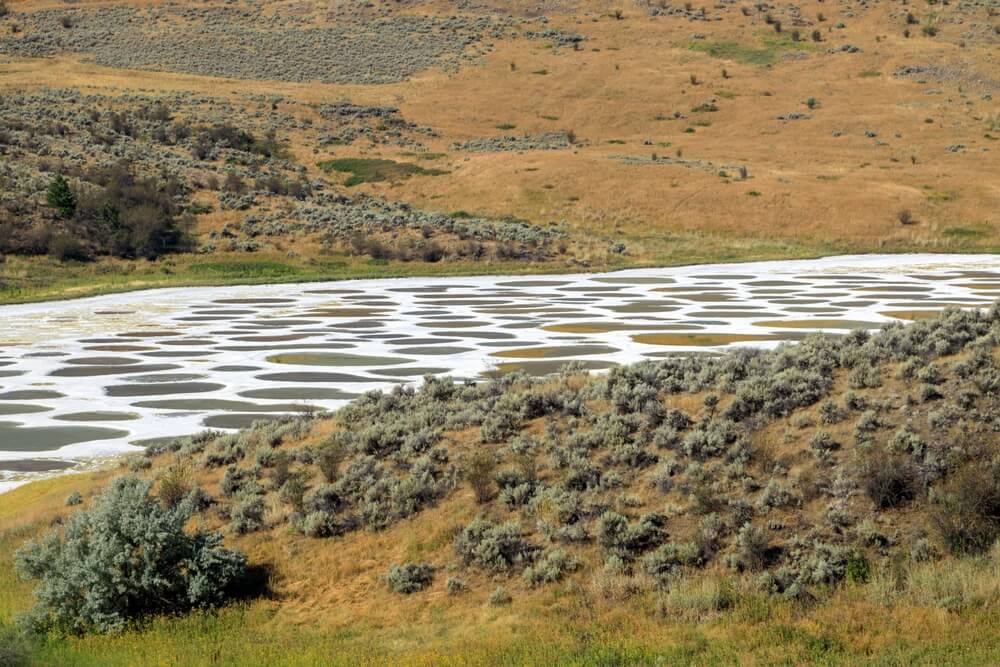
(811, 189)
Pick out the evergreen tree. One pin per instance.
(61, 197)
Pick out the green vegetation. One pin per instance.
(370, 170)
(734, 51)
(766, 54)
(125, 558)
(253, 270)
(652, 515)
(111, 211)
(966, 233)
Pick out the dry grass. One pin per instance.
(818, 193)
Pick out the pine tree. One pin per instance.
(60, 197)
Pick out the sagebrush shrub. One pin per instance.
(409, 577)
(495, 547)
(479, 471)
(552, 566)
(247, 513)
(967, 509)
(500, 597)
(124, 558)
(888, 480)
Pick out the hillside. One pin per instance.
(287, 140)
(832, 501)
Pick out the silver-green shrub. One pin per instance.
(125, 558)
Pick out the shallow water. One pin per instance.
(86, 378)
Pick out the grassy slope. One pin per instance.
(561, 624)
(330, 605)
(820, 185)
(24, 280)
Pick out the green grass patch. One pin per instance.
(940, 196)
(869, 73)
(262, 269)
(551, 117)
(198, 208)
(506, 126)
(726, 94)
(541, 72)
(766, 54)
(740, 53)
(425, 156)
(963, 233)
(370, 170)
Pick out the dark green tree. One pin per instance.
(61, 197)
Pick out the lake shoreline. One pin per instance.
(321, 344)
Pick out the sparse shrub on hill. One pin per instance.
(552, 566)
(479, 471)
(745, 460)
(967, 509)
(114, 212)
(247, 514)
(174, 485)
(409, 577)
(889, 480)
(124, 558)
(494, 547)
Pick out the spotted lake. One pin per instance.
(95, 377)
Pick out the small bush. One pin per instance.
(888, 480)
(329, 457)
(967, 509)
(822, 444)
(91, 580)
(751, 554)
(293, 491)
(495, 547)
(61, 197)
(318, 524)
(551, 567)
(409, 577)
(455, 586)
(14, 649)
(479, 472)
(247, 513)
(500, 597)
(74, 499)
(174, 485)
(627, 541)
(858, 569)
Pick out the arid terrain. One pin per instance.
(559, 136)
(830, 500)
